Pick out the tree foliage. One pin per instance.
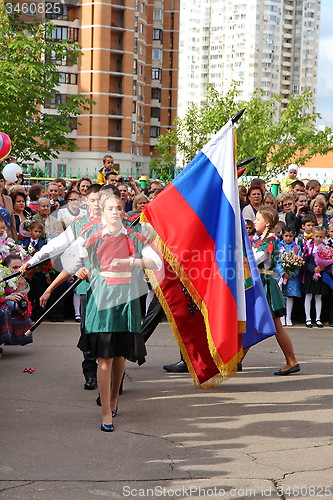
(28, 78)
(275, 142)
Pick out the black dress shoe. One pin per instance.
(179, 367)
(91, 383)
(239, 367)
(293, 369)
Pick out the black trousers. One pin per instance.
(89, 363)
(154, 316)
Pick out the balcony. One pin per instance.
(118, 5)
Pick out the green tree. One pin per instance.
(275, 143)
(28, 79)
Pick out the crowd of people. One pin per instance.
(90, 226)
(31, 217)
(304, 227)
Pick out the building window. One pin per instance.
(133, 127)
(48, 169)
(156, 93)
(157, 34)
(134, 88)
(155, 113)
(156, 73)
(55, 101)
(55, 10)
(61, 60)
(61, 170)
(68, 78)
(157, 55)
(154, 131)
(158, 15)
(73, 123)
(65, 33)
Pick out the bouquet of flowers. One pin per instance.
(323, 257)
(7, 287)
(10, 247)
(290, 262)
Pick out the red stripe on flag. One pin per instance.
(189, 241)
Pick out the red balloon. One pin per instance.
(5, 145)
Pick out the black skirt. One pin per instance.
(116, 344)
(315, 287)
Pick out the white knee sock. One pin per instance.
(289, 308)
(307, 306)
(318, 306)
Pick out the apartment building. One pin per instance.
(267, 44)
(129, 67)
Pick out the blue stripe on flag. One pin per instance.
(203, 191)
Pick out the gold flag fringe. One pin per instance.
(227, 370)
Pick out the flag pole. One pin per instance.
(18, 273)
(237, 116)
(40, 320)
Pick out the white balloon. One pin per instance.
(10, 171)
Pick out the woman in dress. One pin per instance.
(266, 254)
(113, 316)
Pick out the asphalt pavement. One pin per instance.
(255, 436)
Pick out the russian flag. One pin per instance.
(198, 224)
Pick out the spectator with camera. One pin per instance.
(52, 193)
(301, 207)
(15, 308)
